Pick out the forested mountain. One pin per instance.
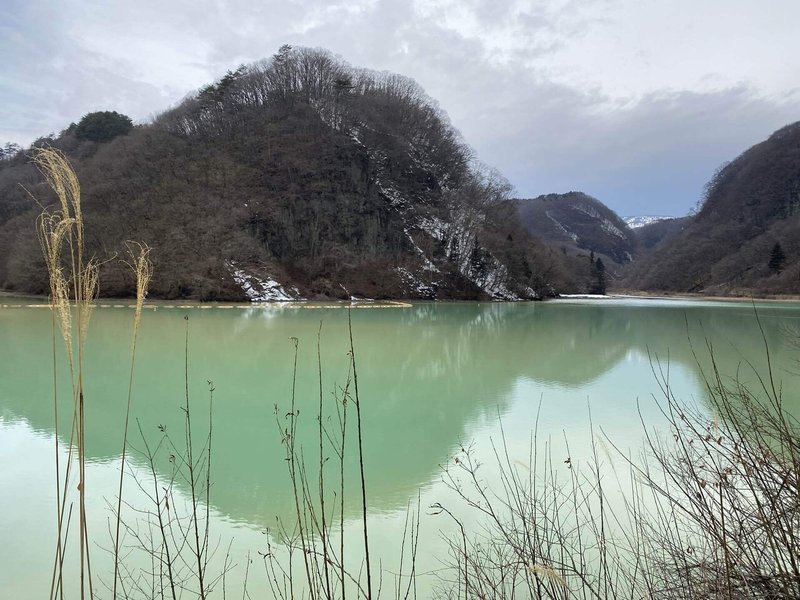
(296, 177)
(593, 240)
(577, 220)
(746, 236)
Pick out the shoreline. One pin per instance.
(660, 295)
(41, 300)
(9, 301)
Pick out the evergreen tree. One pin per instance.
(103, 126)
(599, 284)
(776, 258)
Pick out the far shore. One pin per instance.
(37, 300)
(663, 295)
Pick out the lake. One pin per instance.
(433, 378)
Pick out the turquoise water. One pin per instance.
(432, 378)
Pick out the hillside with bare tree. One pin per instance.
(745, 238)
(296, 177)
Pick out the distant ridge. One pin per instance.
(578, 221)
(641, 221)
(751, 205)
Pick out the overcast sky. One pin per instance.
(635, 102)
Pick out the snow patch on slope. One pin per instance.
(434, 227)
(259, 289)
(612, 229)
(605, 224)
(415, 284)
(427, 265)
(590, 211)
(572, 235)
(474, 263)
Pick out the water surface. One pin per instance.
(432, 378)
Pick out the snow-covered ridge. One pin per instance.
(457, 236)
(259, 289)
(641, 221)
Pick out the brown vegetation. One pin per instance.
(300, 167)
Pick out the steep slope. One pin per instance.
(577, 220)
(297, 177)
(653, 235)
(751, 204)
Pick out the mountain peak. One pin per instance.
(295, 177)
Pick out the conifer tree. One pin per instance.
(599, 286)
(776, 258)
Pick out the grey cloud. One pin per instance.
(651, 157)
(647, 154)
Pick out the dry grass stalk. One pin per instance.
(143, 270)
(312, 530)
(58, 231)
(360, 435)
(53, 229)
(74, 279)
(171, 530)
(550, 574)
